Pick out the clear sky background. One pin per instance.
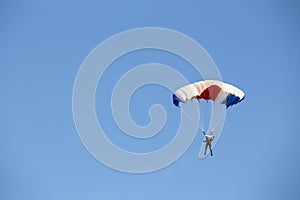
(255, 45)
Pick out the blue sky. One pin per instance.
(255, 46)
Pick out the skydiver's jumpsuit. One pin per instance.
(209, 139)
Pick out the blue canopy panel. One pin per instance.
(231, 100)
(176, 100)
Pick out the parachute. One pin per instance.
(224, 94)
(214, 90)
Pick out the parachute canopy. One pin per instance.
(209, 90)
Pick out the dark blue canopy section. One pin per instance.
(175, 100)
(232, 100)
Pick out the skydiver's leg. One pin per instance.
(205, 148)
(211, 153)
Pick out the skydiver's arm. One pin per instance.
(203, 132)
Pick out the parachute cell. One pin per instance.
(209, 90)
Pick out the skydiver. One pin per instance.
(209, 139)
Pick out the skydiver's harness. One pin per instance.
(205, 135)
